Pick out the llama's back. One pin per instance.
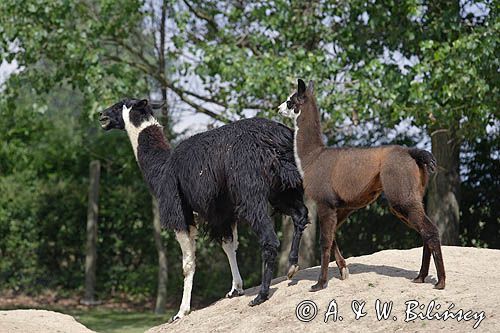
(246, 156)
(264, 148)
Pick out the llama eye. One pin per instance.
(289, 104)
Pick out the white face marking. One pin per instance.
(285, 111)
(187, 241)
(132, 131)
(230, 248)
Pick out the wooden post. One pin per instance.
(161, 296)
(286, 242)
(91, 251)
(307, 250)
(308, 245)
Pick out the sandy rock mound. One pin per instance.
(39, 321)
(472, 286)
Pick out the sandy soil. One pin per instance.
(472, 284)
(39, 321)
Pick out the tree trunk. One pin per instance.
(307, 251)
(286, 242)
(162, 68)
(443, 195)
(161, 297)
(91, 251)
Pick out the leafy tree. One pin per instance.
(384, 61)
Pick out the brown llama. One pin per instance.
(342, 180)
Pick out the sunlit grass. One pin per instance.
(118, 321)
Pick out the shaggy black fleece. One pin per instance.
(225, 175)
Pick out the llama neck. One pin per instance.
(307, 134)
(152, 152)
(133, 132)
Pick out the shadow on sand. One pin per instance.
(311, 274)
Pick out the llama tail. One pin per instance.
(424, 159)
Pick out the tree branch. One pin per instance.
(202, 15)
(181, 93)
(149, 69)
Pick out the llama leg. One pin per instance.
(230, 248)
(339, 259)
(426, 259)
(269, 244)
(300, 221)
(187, 241)
(342, 215)
(415, 217)
(430, 234)
(328, 221)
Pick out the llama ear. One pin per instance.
(301, 87)
(141, 104)
(310, 87)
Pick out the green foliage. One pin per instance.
(462, 76)
(31, 186)
(44, 196)
(18, 217)
(66, 41)
(388, 60)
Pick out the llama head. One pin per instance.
(293, 106)
(126, 113)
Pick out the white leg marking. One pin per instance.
(187, 241)
(230, 248)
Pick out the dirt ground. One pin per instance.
(469, 301)
(39, 321)
(472, 286)
(54, 299)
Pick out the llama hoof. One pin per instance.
(318, 286)
(344, 273)
(174, 318)
(258, 300)
(419, 279)
(235, 293)
(178, 316)
(440, 285)
(292, 270)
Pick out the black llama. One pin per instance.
(226, 175)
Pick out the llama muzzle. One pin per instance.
(104, 121)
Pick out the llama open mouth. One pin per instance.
(105, 122)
